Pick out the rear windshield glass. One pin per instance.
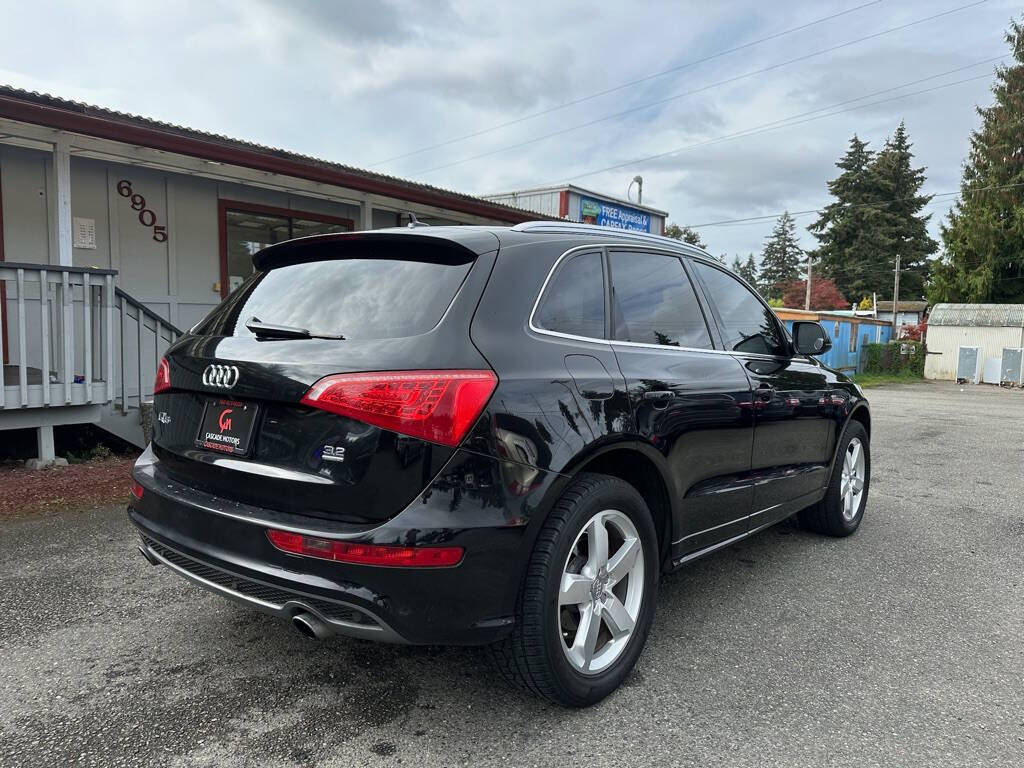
(359, 298)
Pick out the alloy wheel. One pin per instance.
(601, 592)
(851, 489)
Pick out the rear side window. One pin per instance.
(574, 301)
(747, 324)
(654, 303)
(358, 298)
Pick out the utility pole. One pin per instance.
(807, 300)
(896, 299)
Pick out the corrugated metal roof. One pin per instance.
(991, 315)
(500, 210)
(904, 306)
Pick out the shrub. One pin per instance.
(889, 358)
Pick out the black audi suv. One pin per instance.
(493, 436)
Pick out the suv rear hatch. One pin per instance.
(237, 416)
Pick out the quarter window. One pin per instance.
(574, 302)
(654, 303)
(747, 324)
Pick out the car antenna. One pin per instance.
(414, 222)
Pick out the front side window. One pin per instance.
(654, 303)
(747, 324)
(574, 301)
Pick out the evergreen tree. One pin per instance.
(685, 234)
(901, 226)
(749, 270)
(736, 266)
(782, 257)
(852, 249)
(984, 237)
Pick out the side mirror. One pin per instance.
(809, 338)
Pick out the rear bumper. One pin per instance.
(341, 618)
(476, 502)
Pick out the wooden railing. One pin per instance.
(58, 320)
(69, 336)
(146, 324)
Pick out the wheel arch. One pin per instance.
(860, 414)
(863, 415)
(629, 462)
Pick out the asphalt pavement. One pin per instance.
(902, 645)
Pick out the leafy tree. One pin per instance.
(749, 270)
(685, 234)
(851, 247)
(866, 303)
(984, 236)
(901, 225)
(782, 257)
(824, 294)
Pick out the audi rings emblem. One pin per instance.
(223, 376)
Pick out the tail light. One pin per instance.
(364, 554)
(137, 491)
(439, 406)
(163, 377)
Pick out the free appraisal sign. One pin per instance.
(610, 215)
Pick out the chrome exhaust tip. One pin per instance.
(311, 626)
(144, 551)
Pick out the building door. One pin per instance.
(247, 228)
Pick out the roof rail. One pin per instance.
(573, 228)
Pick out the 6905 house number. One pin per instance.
(146, 217)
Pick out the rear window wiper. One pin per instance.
(270, 331)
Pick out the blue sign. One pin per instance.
(611, 215)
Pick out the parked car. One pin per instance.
(493, 436)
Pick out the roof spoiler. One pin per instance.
(445, 245)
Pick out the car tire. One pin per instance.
(545, 654)
(842, 509)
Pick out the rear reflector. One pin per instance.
(439, 406)
(364, 554)
(163, 377)
(137, 491)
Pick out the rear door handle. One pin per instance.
(659, 394)
(765, 393)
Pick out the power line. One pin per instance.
(683, 94)
(770, 217)
(623, 86)
(764, 128)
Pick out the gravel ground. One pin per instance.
(902, 645)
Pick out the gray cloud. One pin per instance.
(357, 82)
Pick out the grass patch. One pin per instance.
(878, 379)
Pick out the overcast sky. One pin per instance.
(360, 82)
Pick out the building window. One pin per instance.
(247, 228)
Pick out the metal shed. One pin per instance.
(991, 327)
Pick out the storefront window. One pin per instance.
(249, 229)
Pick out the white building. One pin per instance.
(992, 327)
(583, 205)
(909, 312)
(117, 231)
